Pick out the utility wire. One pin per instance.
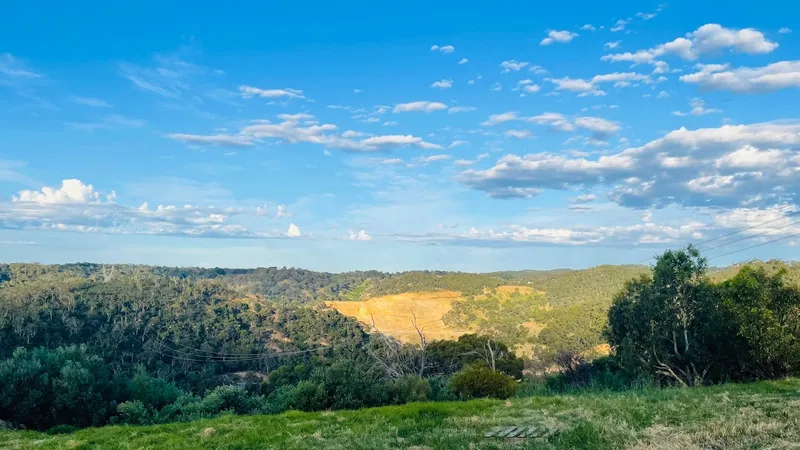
(758, 245)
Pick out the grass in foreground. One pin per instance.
(746, 416)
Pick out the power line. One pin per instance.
(758, 245)
(737, 232)
(792, 214)
(750, 237)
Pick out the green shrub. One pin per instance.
(153, 392)
(479, 381)
(134, 413)
(440, 389)
(410, 388)
(61, 429)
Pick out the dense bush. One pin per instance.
(41, 388)
(449, 357)
(478, 381)
(679, 327)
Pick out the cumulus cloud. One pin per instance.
(698, 109)
(433, 158)
(420, 106)
(588, 27)
(495, 119)
(443, 49)
(620, 24)
(753, 165)
(78, 207)
(282, 212)
(293, 231)
(601, 129)
(360, 235)
(592, 86)
(709, 38)
(513, 65)
(784, 30)
(611, 45)
(775, 76)
(71, 191)
(519, 134)
(457, 143)
(561, 37)
(443, 84)
(648, 233)
(250, 91)
(292, 131)
(458, 109)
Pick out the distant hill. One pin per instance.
(535, 311)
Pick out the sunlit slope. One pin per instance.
(394, 314)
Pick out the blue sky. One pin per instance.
(394, 137)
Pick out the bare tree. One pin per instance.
(423, 343)
(107, 273)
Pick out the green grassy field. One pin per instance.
(760, 415)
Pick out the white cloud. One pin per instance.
(779, 75)
(709, 38)
(360, 235)
(420, 106)
(729, 166)
(531, 88)
(588, 27)
(457, 143)
(391, 161)
(261, 211)
(443, 84)
(293, 231)
(601, 128)
(292, 132)
(698, 109)
(71, 191)
(397, 140)
(78, 207)
(11, 66)
(458, 109)
(538, 70)
(497, 87)
(584, 198)
(663, 94)
(357, 91)
(295, 117)
(784, 30)
(495, 119)
(432, 158)
(513, 65)
(592, 87)
(282, 212)
(463, 61)
(463, 162)
(519, 134)
(620, 25)
(611, 45)
(352, 134)
(561, 37)
(443, 49)
(250, 91)
(556, 121)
